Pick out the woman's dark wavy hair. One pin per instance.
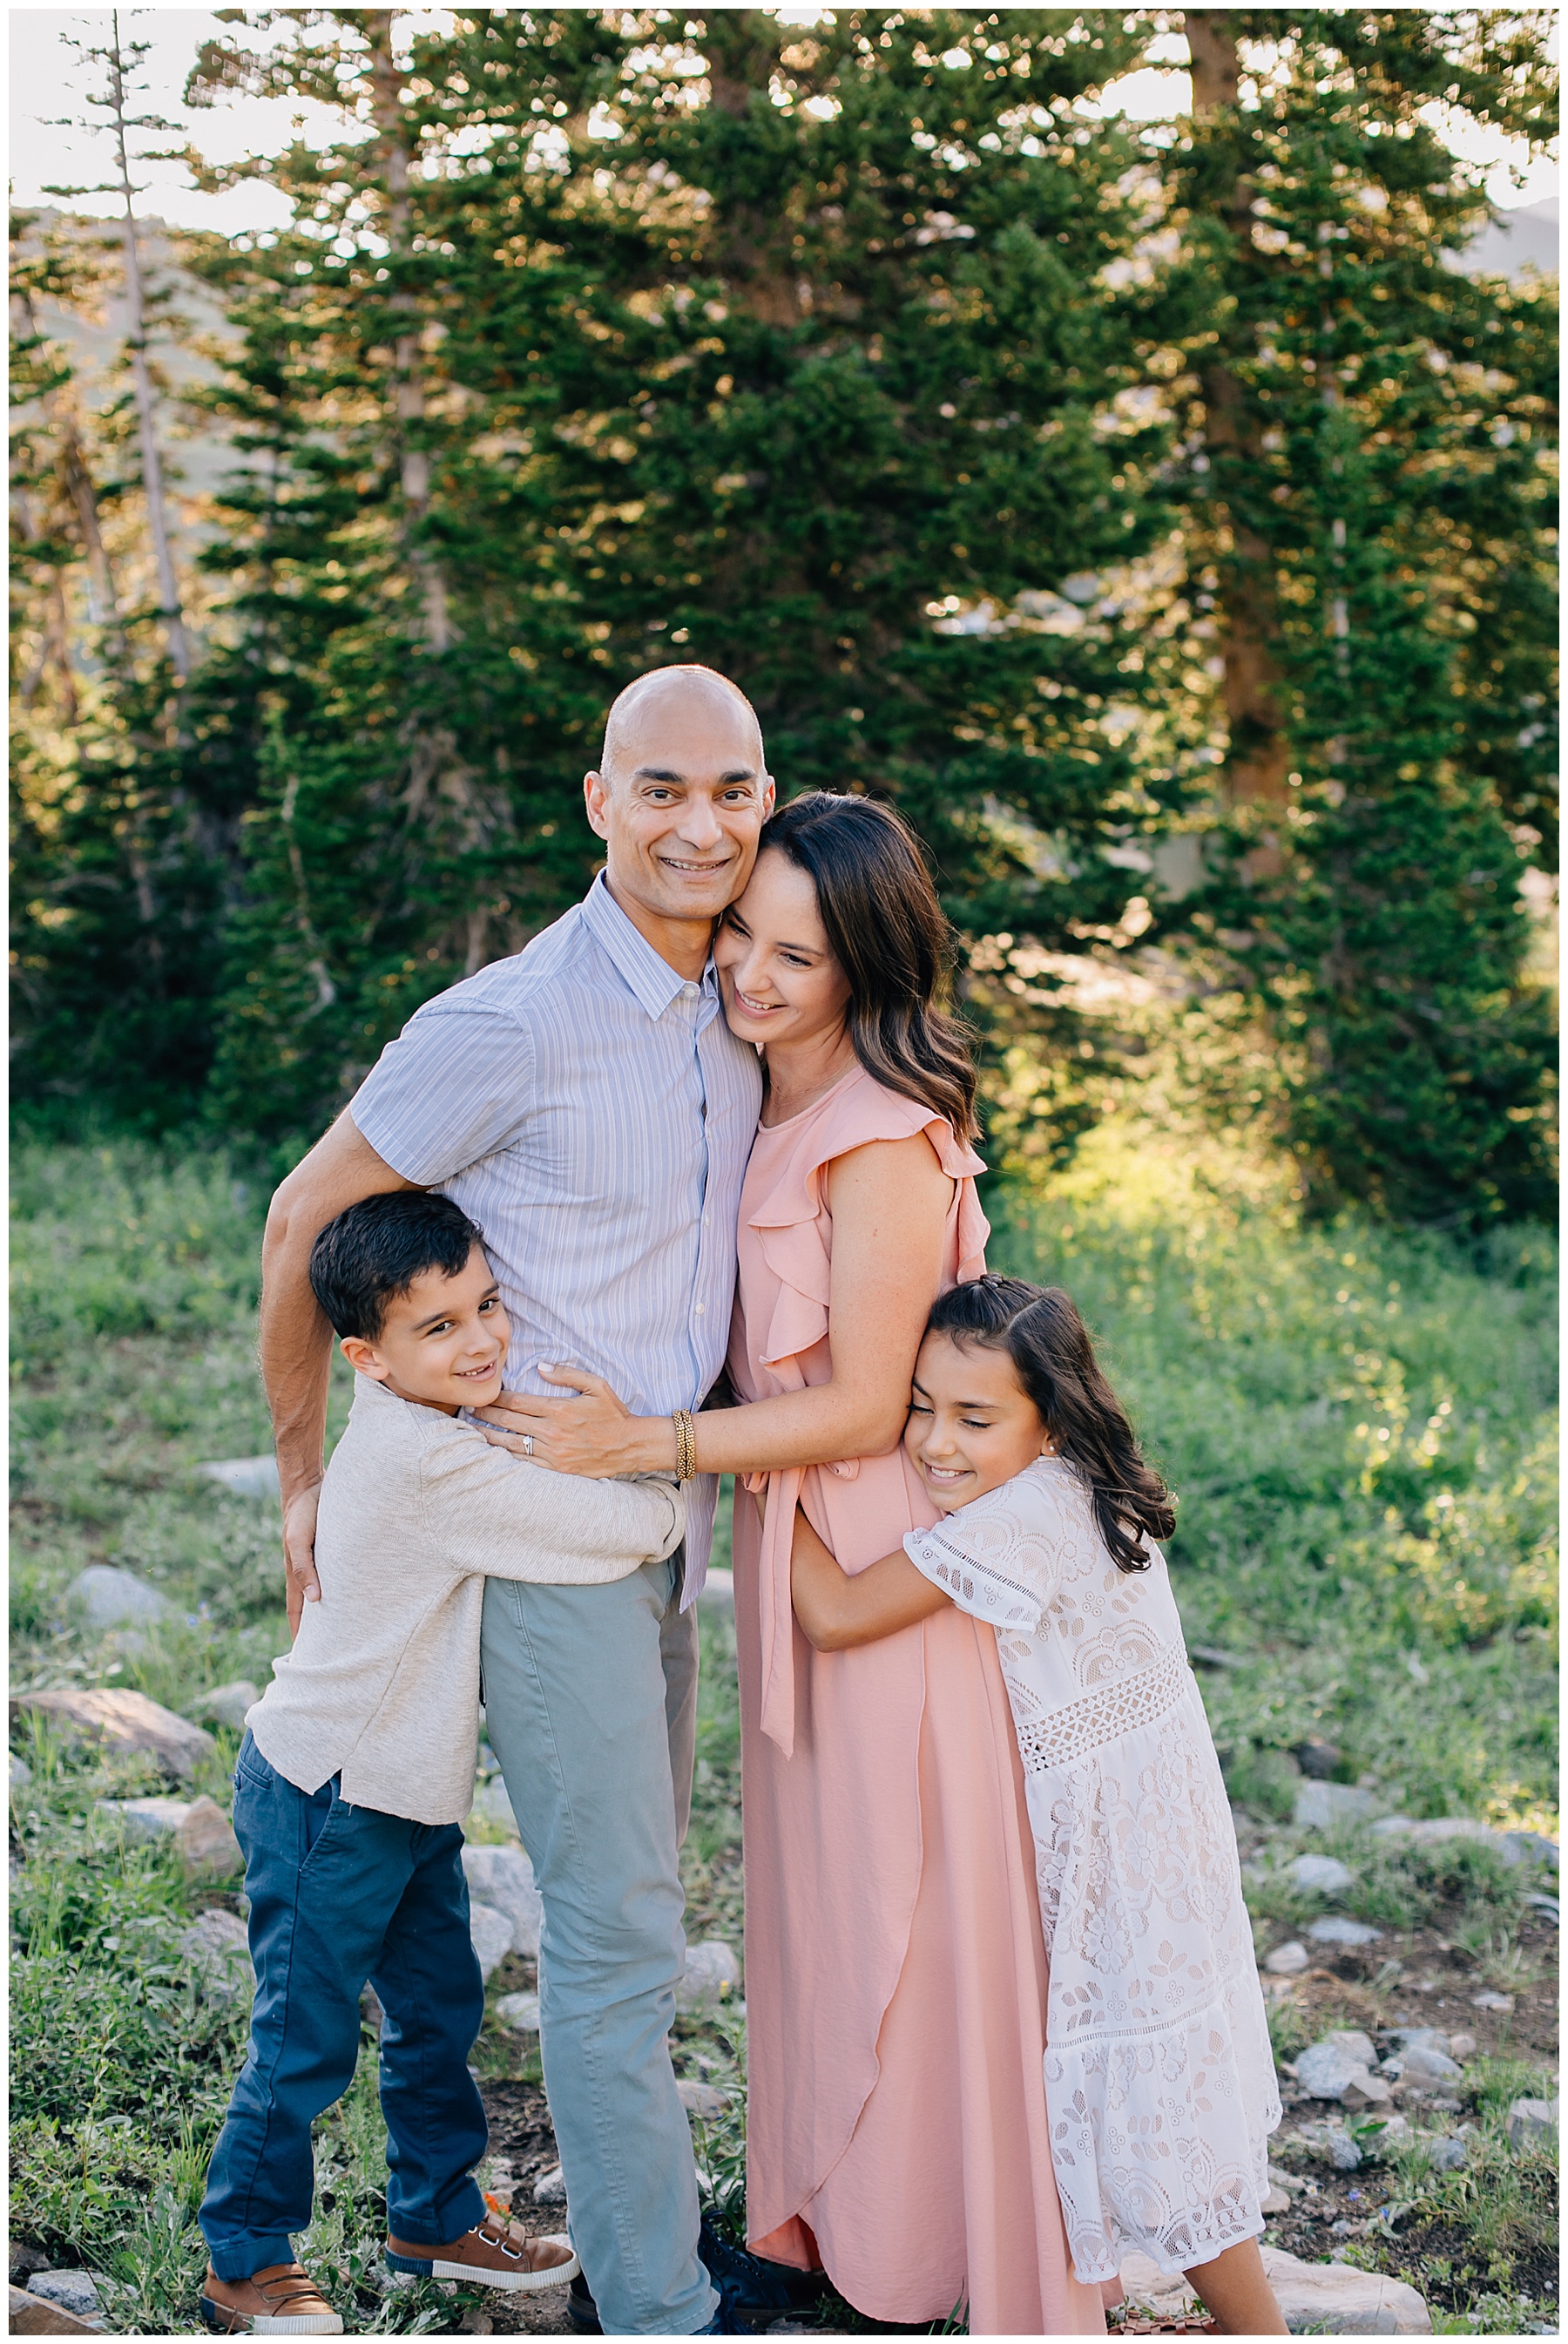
(1047, 1343)
(891, 938)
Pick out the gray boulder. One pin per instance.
(1320, 1806)
(124, 1723)
(1288, 1960)
(1422, 2063)
(1339, 2067)
(711, 1972)
(700, 2099)
(550, 2188)
(490, 1932)
(76, 2291)
(504, 1877)
(208, 1846)
(520, 2012)
(1321, 1875)
(142, 1820)
(229, 1702)
(1343, 2154)
(21, 1774)
(1315, 2298)
(216, 1947)
(111, 1596)
(247, 1477)
(1334, 1929)
(1532, 2124)
(1449, 2156)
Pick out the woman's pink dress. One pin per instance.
(895, 1973)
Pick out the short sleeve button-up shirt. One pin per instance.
(592, 1114)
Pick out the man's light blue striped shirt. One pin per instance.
(592, 1112)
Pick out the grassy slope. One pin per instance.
(1264, 1365)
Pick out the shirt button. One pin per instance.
(689, 993)
(700, 1311)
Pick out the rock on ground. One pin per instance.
(1338, 2300)
(208, 1846)
(1339, 2067)
(1513, 1846)
(1532, 2123)
(502, 1878)
(146, 1819)
(711, 1969)
(122, 1721)
(247, 1477)
(217, 1947)
(75, 2290)
(21, 1774)
(700, 2099)
(490, 1933)
(34, 2314)
(1288, 1960)
(1333, 1929)
(1423, 2063)
(229, 1702)
(110, 1596)
(550, 2188)
(520, 2012)
(1315, 2298)
(1321, 1805)
(1324, 1874)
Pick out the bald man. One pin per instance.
(589, 1109)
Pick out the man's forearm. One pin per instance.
(296, 1355)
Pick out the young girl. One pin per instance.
(1159, 2078)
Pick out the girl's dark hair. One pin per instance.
(1047, 1343)
(374, 1250)
(892, 940)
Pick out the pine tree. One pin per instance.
(790, 354)
(1368, 508)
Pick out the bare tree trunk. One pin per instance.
(152, 464)
(1256, 768)
(409, 397)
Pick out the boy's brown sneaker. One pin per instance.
(492, 2255)
(277, 2301)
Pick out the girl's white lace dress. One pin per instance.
(1159, 2078)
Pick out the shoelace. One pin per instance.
(286, 2291)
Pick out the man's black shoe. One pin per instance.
(582, 2311)
(748, 2289)
(757, 2288)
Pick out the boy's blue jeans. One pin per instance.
(339, 1895)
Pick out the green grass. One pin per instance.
(1360, 1428)
(1263, 1363)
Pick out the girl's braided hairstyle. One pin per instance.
(1047, 1341)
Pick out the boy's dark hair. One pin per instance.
(1047, 1343)
(374, 1251)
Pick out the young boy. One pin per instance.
(357, 1766)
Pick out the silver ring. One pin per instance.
(527, 1444)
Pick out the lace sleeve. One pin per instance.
(1000, 1558)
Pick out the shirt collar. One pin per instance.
(651, 980)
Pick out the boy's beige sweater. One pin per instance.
(417, 1510)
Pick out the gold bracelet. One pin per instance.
(685, 1445)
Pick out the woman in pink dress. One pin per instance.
(895, 1971)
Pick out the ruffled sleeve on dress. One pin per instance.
(795, 1242)
(794, 1236)
(1001, 1557)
